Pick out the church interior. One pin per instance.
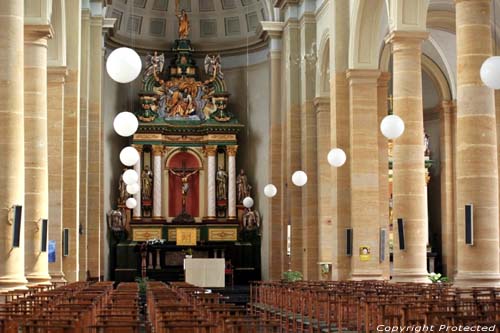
(217, 166)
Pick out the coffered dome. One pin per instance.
(216, 25)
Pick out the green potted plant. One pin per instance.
(292, 276)
(189, 253)
(437, 278)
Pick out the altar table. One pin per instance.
(205, 272)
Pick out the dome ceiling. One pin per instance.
(216, 25)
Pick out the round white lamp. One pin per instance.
(392, 126)
(130, 177)
(125, 123)
(299, 178)
(133, 188)
(123, 65)
(490, 72)
(248, 202)
(336, 157)
(131, 203)
(270, 190)
(129, 156)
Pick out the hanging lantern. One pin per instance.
(248, 202)
(123, 65)
(490, 72)
(133, 188)
(299, 178)
(130, 177)
(125, 123)
(131, 203)
(129, 156)
(336, 157)
(270, 190)
(392, 126)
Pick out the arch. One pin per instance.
(363, 36)
(172, 153)
(323, 70)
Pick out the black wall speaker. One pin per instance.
(45, 225)
(348, 241)
(469, 224)
(66, 242)
(17, 211)
(382, 244)
(401, 234)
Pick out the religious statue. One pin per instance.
(213, 67)
(427, 145)
(183, 23)
(184, 176)
(243, 188)
(147, 183)
(122, 189)
(117, 223)
(154, 63)
(221, 184)
(251, 219)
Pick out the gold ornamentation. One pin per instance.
(222, 234)
(221, 137)
(231, 150)
(144, 234)
(185, 236)
(210, 150)
(138, 148)
(172, 234)
(183, 138)
(157, 150)
(147, 137)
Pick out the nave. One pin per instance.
(281, 307)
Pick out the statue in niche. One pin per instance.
(427, 145)
(221, 184)
(122, 190)
(184, 174)
(243, 188)
(147, 184)
(251, 220)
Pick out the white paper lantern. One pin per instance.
(248, 202)
(131, 203)
(130, 177)
(133, 188)
(129, 156)
(490, 72)
(123, 65)
(270, 190)
(299, 178)
(336, 157)
(125, 123)
(392, 126)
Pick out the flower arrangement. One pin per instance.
(437, 278)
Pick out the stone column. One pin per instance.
(409, 169)
(36, 188)
(11, 141)
(157, 187)
(365, 206)
(275, 227)
(326, 228)
(211, 152)
(477, 164)
(383, 170)
(137, 215)
(55, 107)
(231, 153)
(447, 143)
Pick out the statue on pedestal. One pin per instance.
(243, 188)
(183, 21)
(147, 183)
(221, 184)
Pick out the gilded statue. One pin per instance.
(147, 183)
(221, 184)
(183, 21)
(243, 188)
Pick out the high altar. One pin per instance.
(187, 140)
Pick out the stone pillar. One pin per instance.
(275, 224)
(71, 162)
(55, 107)
(36, 188)
(477, 164)
(231, 152)
(211, 152)
(364, 172)
(137, 215)
(409, 169)
(326, 228)
(157, 187)
(11, 141)
(383, 170)
(447, 143)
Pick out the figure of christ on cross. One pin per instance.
(184, 174)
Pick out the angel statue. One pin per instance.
(154, 64)
(183, 21)
(251, 219)
(213, 67)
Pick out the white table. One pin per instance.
(205, 272)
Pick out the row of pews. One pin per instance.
(74, 308)
(184, 308)
(374, 306)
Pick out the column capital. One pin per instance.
(383, 79)
(362, 75)
(138, 147)
(406, 37)
(35, 32)
(56, 74)
(157, 150)
(322, 104)
(210, 150)
(231, 150)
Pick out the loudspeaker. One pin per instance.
(66, 242)
(17, 211)
(348, 237)
(45, 226)
(382, 244)
(469, 224)
(401, 234)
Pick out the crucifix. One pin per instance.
(184, 174)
